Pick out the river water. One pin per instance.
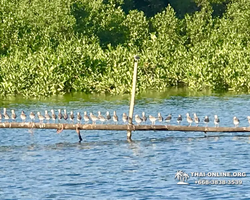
(45, 165)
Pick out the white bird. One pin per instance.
(40, 117)
(160, 118)
(71, 116)
(179, 119)
(101, 118)
(138, 120)
(115, 117)
(248, 119)
(6, 116)
(79, 117)
(32, 116)
(189, 119)
(93, 118)
(108, 117)
(168, 118)
(23, 116)
(53, 115)
(206, 120)
(65, 115)
(216, 120)
(47, 116)
(196, 119)
(85, 117)
(124, 117)
(152, 119)
(236, 121)
(13, 115)
(60, 116)
(144, 117)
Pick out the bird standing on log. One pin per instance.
(160, 118)
(138, 120)
(85, 117)
(144, 117)
(32, 116)
(206, 120)
(79, 117)
(152, 119)
(101, 118)
(40, 117)
(60, 116)
(179, 119)
(5, 114)
(168, 118)
(108, 117)
(23, 116)
(47, 116)
(13, 115)
(115, 117)
(216, 120)
(248, 119)
(93, 118)
(65, 115)
(236, 121)
(71, 116)
(124, 117)
(196, 119)
(53, 115)
(189, 119)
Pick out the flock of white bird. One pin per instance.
(103, 118)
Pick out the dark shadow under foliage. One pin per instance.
(181, 7)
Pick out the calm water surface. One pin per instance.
(47, 165)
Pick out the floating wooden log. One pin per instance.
(121, 127)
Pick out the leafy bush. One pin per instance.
(58, 46)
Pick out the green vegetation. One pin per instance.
(56, 46)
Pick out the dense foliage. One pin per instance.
(56, 46)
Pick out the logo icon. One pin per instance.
(182, 177)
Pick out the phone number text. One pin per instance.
(219, 182)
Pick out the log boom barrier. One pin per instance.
(77, 127)
(61, 126)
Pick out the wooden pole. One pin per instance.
(132, 100)
(78, 127)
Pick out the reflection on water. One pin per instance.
(47, 165)
(147, 97)
(134, 144)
